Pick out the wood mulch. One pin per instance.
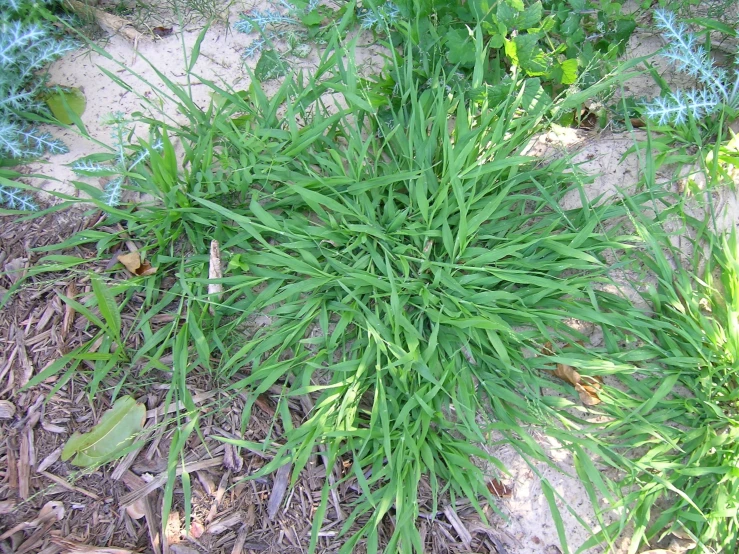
(50, 506)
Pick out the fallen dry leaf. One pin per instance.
(162, 32)
(7, 409)
(135, 265)
(499, 489)
(587, 387)
(49, 513)
(68, 310)
(197, 530)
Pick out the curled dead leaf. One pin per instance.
(162, 32)
(7, 409)
(135, 265)
(499, 489)
(587, 387)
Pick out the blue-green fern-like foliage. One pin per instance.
(123, 163)
(28, 43)
(283, 22)
(718, 88)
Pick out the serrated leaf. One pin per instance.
(459, 49)
(74, 99)
(515, 4)
(530, 17)
(269, 66)
(507, 16)
(301, 50)
(312, 19)
(116, 430)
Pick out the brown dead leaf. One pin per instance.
(135, 265)
(69, 311)
(499, 489)
(588, 392)
(587, 387)
(197, 529)
(49, 513)
(162, 32)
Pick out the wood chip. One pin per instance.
(225, 523)
(72, 547)
(279, 488)
(238, 547)
(7, 506)
(462, 532)
(70, 487)
(24, 463)
(161, 479)
(51, 459)
(11, 464)
(23, 361)
(215, 271)
(232, 460)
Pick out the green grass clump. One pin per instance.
(680, 439)
(411, 263)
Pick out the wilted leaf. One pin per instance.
(117, 429)
(133, 263)
(587, 387)
(162, 32)
(62, 101)
(588, 393)
(499, 489)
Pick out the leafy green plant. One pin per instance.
(678, 426)
(562, 43)
(691, 125)
(294, 25)
(28, 43)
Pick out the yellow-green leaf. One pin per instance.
(63, 100)
(116, 430)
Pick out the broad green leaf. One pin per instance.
(270, 66)
(63, 99)
(530, 17)
(116, 430)
(569, 71)
(459, 47)
(516, 4)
